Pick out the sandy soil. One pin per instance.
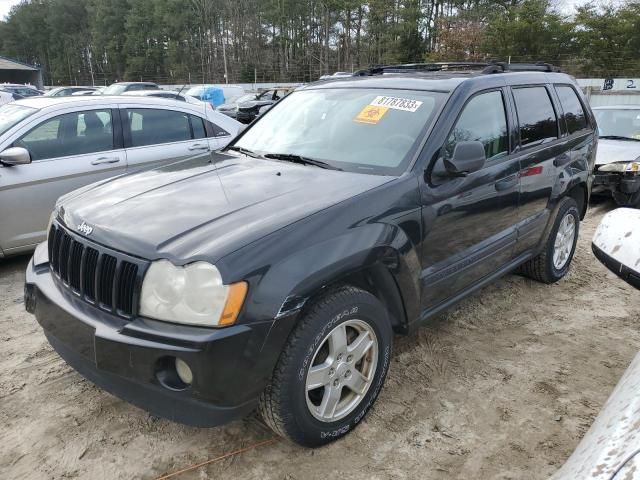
(503, 386)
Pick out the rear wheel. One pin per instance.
(554, 261)
(331, 370)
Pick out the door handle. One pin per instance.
(198, 146)
(101, 160)
(562, 160)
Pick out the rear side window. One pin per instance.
(537, 118)
(198, 127)
(154, 126)
(217, 131)
(483, 119)
(574, 115)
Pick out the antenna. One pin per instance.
(180, 91)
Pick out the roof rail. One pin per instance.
(482, 67)
(503, 67)
(420, 67)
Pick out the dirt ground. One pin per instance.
(503, 386)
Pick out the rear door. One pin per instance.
(155, 136)
(541, 147)
(68, 151)
(577, 129)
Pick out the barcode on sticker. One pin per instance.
(405, 104)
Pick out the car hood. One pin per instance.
(255, 103)
(207, 206)
(610, 151)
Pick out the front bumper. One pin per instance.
(246, 117)
(626, 184)
(230, 366)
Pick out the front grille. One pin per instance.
(103, 277)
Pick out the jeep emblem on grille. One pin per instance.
(84, 228)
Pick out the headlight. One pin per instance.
(621, 167)
(193, 294)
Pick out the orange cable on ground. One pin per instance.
(217, 459)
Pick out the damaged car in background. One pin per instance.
(610, 450)
(618, 160)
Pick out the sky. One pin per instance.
(565, 6)
(5, 6)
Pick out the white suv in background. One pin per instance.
(50, 146)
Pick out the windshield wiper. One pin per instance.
(619, 137)
(291, 157)
(244, 151)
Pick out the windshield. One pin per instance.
(195, 91)
(618, 122)
(244, 98)
(361, 130)
(115, 89)
(11, 114)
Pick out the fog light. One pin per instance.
(184, 372)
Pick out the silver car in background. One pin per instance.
(617, 170)
(50, 146)
(170, 94)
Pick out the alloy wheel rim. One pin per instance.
(564, 241)
(342, 371)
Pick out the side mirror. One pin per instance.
(616, 244)
(468, 157)
(15, 156)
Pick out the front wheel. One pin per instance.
(331, 370)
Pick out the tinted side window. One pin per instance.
(152, 127)
(483, 119)
(198, 127)
(538, 122)
(574, 115)
(76, 133)
(216, 131)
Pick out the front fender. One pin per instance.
(310, 269)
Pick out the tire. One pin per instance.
(543, 268)
(297, 414)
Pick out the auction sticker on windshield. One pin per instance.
(405, 104)
(371, 114)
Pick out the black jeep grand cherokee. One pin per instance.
(275, 273)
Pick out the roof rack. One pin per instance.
(481, 67)
(420, 67)
(502, 67)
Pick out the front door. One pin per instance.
(68, 151)
(470, 221)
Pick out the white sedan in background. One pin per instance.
(169, 94)
(50, 146)
(610, 450)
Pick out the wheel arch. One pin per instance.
(579, 193)
(378, 280)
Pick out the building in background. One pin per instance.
(12, 71)
(605, 92)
